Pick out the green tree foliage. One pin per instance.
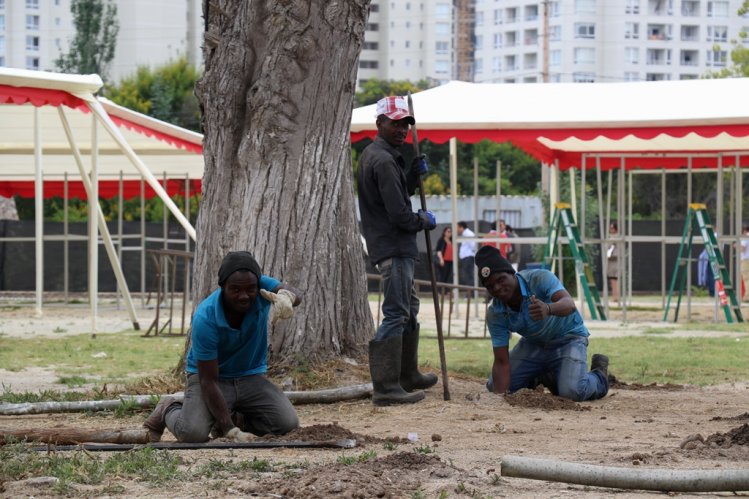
(373, 90)
(92, 47)
(54, 209)
(166, 93)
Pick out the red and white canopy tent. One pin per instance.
(627, 127)
(45, 149)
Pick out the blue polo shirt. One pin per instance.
(240, 352)
(502, 320)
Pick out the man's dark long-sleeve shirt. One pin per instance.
(389, 223)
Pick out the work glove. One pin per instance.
(237, 435)
(282, 304)
(420, 163)
(428, 221)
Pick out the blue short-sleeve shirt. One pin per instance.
(502, 320)
(240, 352)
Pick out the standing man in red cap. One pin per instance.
(554, 339)
(226, 392)
(390, 226)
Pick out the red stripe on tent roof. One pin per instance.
(39, 97)
(107, 189)
(148, 132)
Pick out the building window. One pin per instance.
(585, 6)
(408, 24)
(585, 30)
(690, 33)
(583, 77)
(688, 76)
(632, 31)
(717, 9)
(442, 10)
(555, 33)
(32, 4)
(373, 27)
(497, 40)
(479, 19)
(716, 58)
(631, 76)
(479, 42)
(32, 63)
(407, 44)
(479, 66)
(368, 64)
(496, 64)
(441, 48)
(32, 22)
(442, 28)
(555, 58)
(370, 46)
(632, 7)
(497, 16)
(442, 67)
(554, 10)
(632, 55)
(2, 4)
(2, 23)
(2, 60)
(585, 55)
(717, 33)
(32, 43)
(2, 43)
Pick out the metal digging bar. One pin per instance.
(435, 297)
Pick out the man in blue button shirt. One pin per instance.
(227, 360)
(554, 340)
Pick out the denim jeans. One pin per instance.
(566, 358)
(265, 408)
(400, 304)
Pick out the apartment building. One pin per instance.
(603, 41)
(408, 40)
(33, 33)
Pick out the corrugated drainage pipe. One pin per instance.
(626, 478)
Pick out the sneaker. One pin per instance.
(155, 423)
(600, 362)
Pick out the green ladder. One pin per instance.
(697, 215)
(563, 218)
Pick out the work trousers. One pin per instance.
(400, 303)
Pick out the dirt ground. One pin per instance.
(454, 448)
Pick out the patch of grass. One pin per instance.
(424, 449)
(218, 468)
(390, 445)
(361, 458)
(58, 329)
(10, 397)
(126, 408)
(18, 462)
(72, 381)
(126, 353)
(658, 330)
(646, 359)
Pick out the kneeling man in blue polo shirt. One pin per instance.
(226, 391)
(554, 340)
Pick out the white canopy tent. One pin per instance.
(41, 141)
(663, 126)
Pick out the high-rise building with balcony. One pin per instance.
(597, 40)
(33, 33)
(409, 40)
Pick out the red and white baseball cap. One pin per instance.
(395, 108)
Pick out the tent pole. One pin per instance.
(719, 226)
(93, 230)
(573, 202)
(38, 212)
(119, 276)
(120, 207)
(454, 209)
(65, 243)
(603, 235)
(476, 230)
(626, 280)
(739, 226)
(98, 111)
(499, 192)
(663, 236)
(689, 257)
(142, 243)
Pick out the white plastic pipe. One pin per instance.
(626, 478)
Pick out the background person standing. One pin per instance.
(466, 255)
(444, 252)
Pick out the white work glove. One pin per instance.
(282, 304)
(237, 435)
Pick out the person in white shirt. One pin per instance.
(466, 255)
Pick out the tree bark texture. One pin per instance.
(277, 95)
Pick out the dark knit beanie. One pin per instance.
(489, 260)
(238, 260)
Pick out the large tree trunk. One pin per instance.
(277, 95)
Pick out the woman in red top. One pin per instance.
(444, 251)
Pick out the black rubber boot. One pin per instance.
(600, 362)
(155, 423)
(547, 379)
(411, 379)
(385, 368)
